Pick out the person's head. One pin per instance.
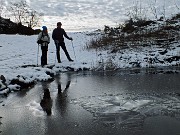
(59, 24)
(44, 28)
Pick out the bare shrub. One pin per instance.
(2, 4)
(137, 12)
(19, 10)
(32, 18)
(23, 14)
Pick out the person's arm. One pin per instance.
(53, 35)
(65, 34)
(39, 36)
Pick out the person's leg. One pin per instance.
(44, 55)
(65, 51)
(58, 52)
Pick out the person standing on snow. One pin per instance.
(58, 38)
(43, 39)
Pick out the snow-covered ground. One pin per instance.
(18, 58)
(17, 51)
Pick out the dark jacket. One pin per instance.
(58, 34)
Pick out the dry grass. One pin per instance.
(138, 36)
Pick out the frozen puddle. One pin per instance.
(130, 110)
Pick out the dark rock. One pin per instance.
(158, 61)
(177, 16)
(163, 52)
(5, 94)
(114, 50)
(3, 79)
(70, 68)
(9, 27)
(50, 74)
(173, 58)
(21, 84)
(135, 64)
(86, 69)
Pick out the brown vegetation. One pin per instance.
(139, 33)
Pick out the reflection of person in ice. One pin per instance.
(46, 102)
(62, 95)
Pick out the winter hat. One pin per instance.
(44, 27)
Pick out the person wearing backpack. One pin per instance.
(43, 40)
(58, 38)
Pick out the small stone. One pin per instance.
(3, 79)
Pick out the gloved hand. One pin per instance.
(70, 38)
(40, 41)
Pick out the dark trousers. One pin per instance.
(62, 44)
(44, 55)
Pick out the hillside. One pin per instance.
(9, 27)
(159, 40)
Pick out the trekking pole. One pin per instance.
(55, 52)
(37, 54)
(73, 49)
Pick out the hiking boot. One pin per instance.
(71, 60)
